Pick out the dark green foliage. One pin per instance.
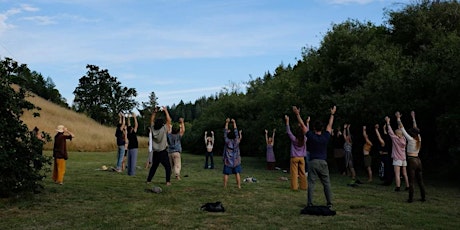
(22, 165)
(102, 96)
(369, 72)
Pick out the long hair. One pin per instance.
(175, 129)
(231, 135)
(415, 133)
(158, 124)
(300, 137)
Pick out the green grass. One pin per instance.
(92, 199)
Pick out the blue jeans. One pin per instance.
(211, 156)
(132, 160)
(121, 154)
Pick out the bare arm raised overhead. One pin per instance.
(168, 119)
(377, 132)
(331, 119)
(366, 138)
(135, 122)
(181, 126)
(266, 137)
(299, 119)
(414, 123)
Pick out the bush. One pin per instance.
(21, 159)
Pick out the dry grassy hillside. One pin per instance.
(89, 135)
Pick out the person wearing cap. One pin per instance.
(60, 153)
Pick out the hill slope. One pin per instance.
(89, 134)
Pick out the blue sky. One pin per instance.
(179, 49)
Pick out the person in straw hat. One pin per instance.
(60, 153)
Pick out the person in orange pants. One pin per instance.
(298, 152)
(60, 153)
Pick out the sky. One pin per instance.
(178, 49)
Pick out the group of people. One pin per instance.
(165, 145)
(398, 150)
(126, 137)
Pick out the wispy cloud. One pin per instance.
(4, 16)
(4, 25)
(30, 8)
(41, 20)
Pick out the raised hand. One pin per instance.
(295, 110)
(387, 119)
(333, 110)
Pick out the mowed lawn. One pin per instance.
(95, 199)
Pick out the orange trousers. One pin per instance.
(58, 170)
(297, 171)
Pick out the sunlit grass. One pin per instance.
(94, 199)
(89, 135)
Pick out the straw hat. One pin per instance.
(60, 128)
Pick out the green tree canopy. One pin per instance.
(102, 96)
(21, 161)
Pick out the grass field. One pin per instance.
(94, 199)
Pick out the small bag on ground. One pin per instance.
(318, 211)
(213, 207)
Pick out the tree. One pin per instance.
(145, 112)
(21, 161)
(102, 96)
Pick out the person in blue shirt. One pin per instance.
(318, 168)
(175, 148)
